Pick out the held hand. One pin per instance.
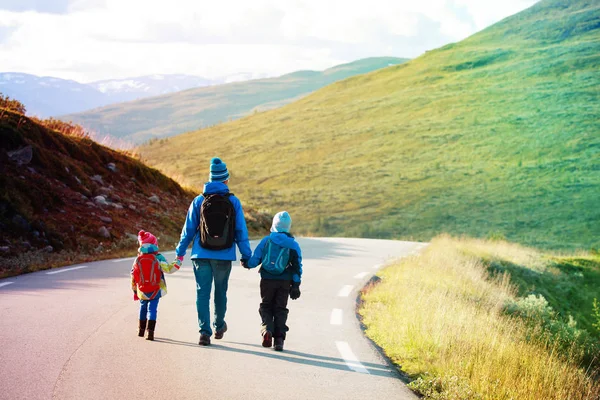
(135, 296)
(294, 292)
(180, 259)
(244, 263)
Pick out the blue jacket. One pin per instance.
(293, 273)
(189, 232)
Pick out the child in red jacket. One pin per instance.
(148, 281)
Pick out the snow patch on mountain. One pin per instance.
(120, 85)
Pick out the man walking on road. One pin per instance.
(215, 223)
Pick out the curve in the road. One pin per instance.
(71, 329)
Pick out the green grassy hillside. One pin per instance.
(496, 135)
(171, 114)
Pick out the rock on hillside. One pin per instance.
(67, 199)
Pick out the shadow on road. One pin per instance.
(290, 356)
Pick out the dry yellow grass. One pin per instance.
(440, 317)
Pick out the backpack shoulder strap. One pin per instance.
(155, 271)
(267, 247)
(138, 264)
(284, 251)
(266, 253)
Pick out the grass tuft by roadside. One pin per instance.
(463, 328)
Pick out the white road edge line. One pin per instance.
(5, 283)
(345, 291)
(336, 316)
(124, 259)
(361, 275)
(349, 357)
(65, 270)
(377, 266)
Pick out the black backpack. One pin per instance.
(217, 222)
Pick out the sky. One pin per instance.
(89, 40)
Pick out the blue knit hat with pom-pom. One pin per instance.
(218, 170)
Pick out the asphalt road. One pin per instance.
(71, 333)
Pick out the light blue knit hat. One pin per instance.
(282, 222)
(218, 170)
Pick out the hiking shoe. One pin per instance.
(278, 344)
(219, 334)
(141, 327)
(151, 326)
(267, 339)
(204, 340)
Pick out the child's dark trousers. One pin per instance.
(273, 308)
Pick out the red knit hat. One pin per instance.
(146, 237)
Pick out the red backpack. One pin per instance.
(147, 273)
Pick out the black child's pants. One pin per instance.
(273, 308)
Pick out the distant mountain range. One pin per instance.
(175, 113)
(48, 96)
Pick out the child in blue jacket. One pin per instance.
(280, 258)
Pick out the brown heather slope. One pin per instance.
(50, 213)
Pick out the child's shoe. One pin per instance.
(141, 327)
(267, 339)
(151, 326)
(278, 344)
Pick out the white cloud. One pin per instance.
(98, 39)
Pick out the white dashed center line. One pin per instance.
(336, 316)
(345, 291)
(349, 357)
(5, 283)
(60, 271)
(361, 275)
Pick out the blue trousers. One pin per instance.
(206, 271)
(149, 308)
